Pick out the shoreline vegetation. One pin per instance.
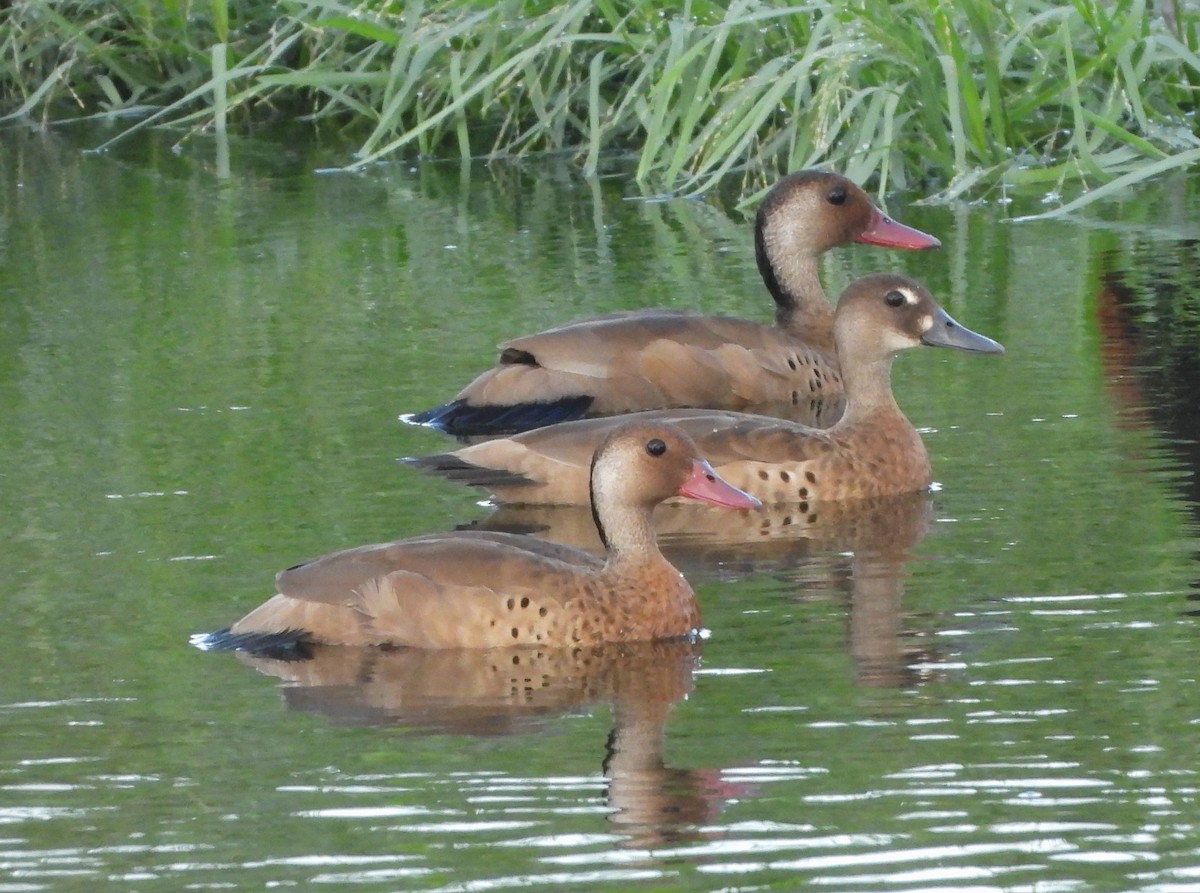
(959, 101)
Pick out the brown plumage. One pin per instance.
(653, 359)
(482, 590)
(873, 450)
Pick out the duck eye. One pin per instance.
(895, 298)
(656, 447)
(836, 195)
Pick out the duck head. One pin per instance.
(884, 313)
(813, 211)
(642, 464)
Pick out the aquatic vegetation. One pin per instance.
(956, 99)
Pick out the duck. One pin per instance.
(661, 358)
(464, 589)
(873, 450)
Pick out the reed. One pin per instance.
(954, 99)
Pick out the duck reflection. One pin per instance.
(510, 691)
(858, 549)
(1150, 352)
(1148, 344)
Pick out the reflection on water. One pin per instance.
(498, 691)
(701, 538)
(1149, 316)
(513, 691)
(501, 692)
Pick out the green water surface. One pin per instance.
(200, 382)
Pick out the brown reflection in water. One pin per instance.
(1119, 354)
(1148, 314)
(509, 691)
(858, 549)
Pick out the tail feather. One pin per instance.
(289, 644)
(459, 419)
(452, 468)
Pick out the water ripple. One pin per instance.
(899, 856)
(370, 812)
(568, 881)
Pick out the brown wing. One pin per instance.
(407, 608)
(462, 558)
(773, 459)
(657, 359)
(471, 590)
(552, 463)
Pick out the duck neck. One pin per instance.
(868, 387)
(625, 529)
(792, 277)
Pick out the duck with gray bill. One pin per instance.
(873, 450)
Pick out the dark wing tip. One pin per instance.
(452, 468)
(290, 644)
(459, 419)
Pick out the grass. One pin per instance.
(957, 100)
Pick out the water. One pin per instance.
(989, 689)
